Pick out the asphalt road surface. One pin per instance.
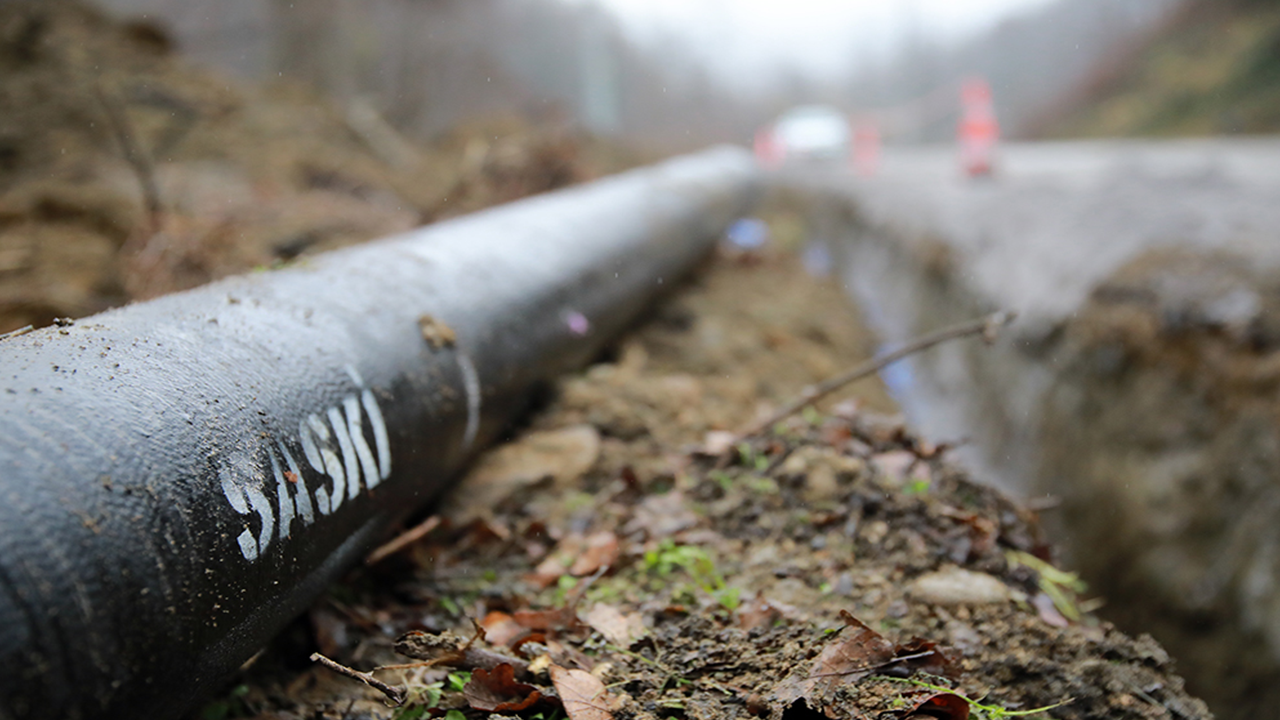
(1055, 218)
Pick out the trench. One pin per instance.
(1136, 395)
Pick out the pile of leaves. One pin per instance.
(603, 566)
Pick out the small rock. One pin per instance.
(963, 637)
(892, 467)
(821, 484)
(957, 586)
(875, 531)
(718, 442)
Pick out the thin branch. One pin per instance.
(876, 666)
(446, 649)
(988, 327)
(134, 154)
(393, 693)
(581, 591)
(403, 540)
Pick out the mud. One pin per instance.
(1137, 388)
(127, 173)
(1170, 383)
(691, 590)
(607, 531)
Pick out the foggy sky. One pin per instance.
(750, 42)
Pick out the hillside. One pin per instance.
(1213, 69)
(127, 171)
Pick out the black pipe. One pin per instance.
(179, 478)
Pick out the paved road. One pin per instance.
(1059, 217)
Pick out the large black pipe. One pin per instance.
(179, 478)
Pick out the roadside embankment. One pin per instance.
(1139, 387)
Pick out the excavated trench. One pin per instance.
(1138, 396)
(171, 467)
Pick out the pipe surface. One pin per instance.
(181, 477)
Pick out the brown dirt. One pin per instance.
(691, 591)
(704, 593)
(92, 111)
(1164, 414)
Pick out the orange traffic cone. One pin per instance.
(978, 132)
(766, 148)
(866, 148)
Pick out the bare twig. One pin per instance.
(446, 649)
(988, 327)
(876, 666)
(581, 591)
(134, 154)
(364, 120)
(394, 694)
(403, 540)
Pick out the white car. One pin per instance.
(808, 133)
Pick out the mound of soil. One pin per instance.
(1164, 414)
(626, 561)
(126, 173)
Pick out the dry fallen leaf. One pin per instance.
(551, 569)
(983, 533)
(924, 656)
(497, 691)
(578, 556)
(861, 649)
(599, 550)
(618, 628)
(563, 455)
(943, 706)
(662, 516)
(856, 652)
(501, 629)
(583, 694)
(757, 612)
(557, 619)
(858, 649)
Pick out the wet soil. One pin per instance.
(838, 566)
(1168, 376)
(1140, 383)
(687, 586)
(127, 173)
